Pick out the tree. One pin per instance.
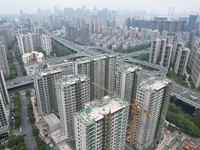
(196, 118)
(11, 140)
(35, 130)
(28, 93)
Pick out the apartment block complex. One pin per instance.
(4, 129)
(127, 80)
(26, 43)
(3, 57)
(194, 65)
(154, 52)
(3, 89)
(102, 124)
(45, 87)
(176, 46)
(181, 60)
(73, 92)
(160, 52)
(101, 70)
(46, 43)
(153, 96)
(166, 56)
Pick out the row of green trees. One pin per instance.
(16, 142)
(59, 50)
(19, 59)
(135, 48)
(12, 67)
(185, 122)
(144, 57)
(178, 79)
(30, 108)
(39, 141)
(17, 106)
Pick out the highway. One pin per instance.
(18, 66)
(25, 124)
(85, 51)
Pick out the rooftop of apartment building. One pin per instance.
(95, 58)
(52, 119)
(72, 79)
(46, 72)
(58, 137)
(129, 68)
(154, 83)
(96, 110)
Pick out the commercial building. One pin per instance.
(26, 43)
(3, 89)
(195, 66)
(4, 129)
(45, 87)
(181, 60)
(127, 80)
(102, 124)
(101, 70)
(73, 92)
(46, 43)
(3, 57)
(153, 96)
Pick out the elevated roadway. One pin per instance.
(84, 51)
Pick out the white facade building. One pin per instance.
(73, 92)
(153, 96)
(26, 43)
(102, 124)
(101, 70)
(182, 60)
(3, 58)
(45, 88)
(33, 56)
(127, 80)
(46, 43)
(3, 89)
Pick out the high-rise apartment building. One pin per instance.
(102, 124)
(73, 92)
(3, 57)
(192, 22)
(101, 70)
(127, 80)
(7, 31)
(181, 60)
(162, 47)
(4, 129)
(46, 43)
(153, 95)
(37, 32)
(26, 43)
(154, 52)
(176, 46)
(195, 65)
(45, 87)
(3, 89)
(166, 56)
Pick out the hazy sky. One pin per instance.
(13, 6)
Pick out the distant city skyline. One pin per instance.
(31, 6)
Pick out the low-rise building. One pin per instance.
(32, 58)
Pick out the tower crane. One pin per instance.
(134, 111)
